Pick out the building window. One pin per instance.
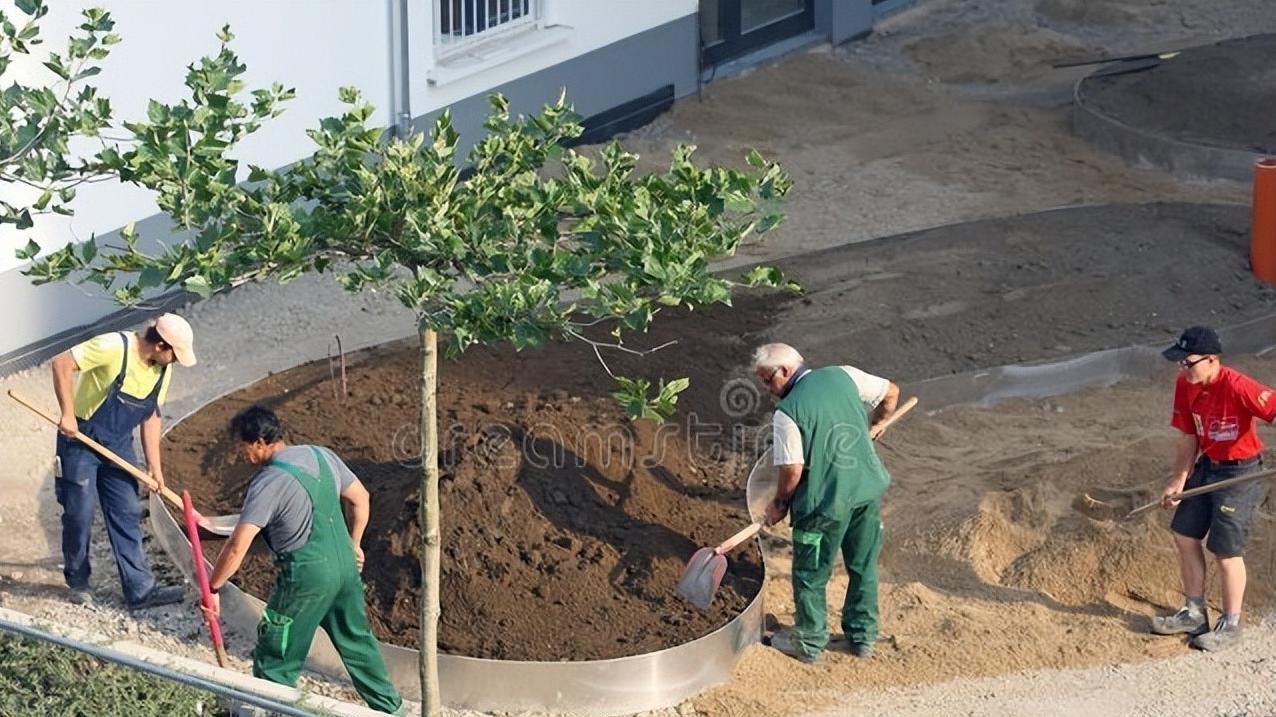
(461, 26)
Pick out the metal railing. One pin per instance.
(460, 26)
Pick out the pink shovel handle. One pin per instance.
(738, 538)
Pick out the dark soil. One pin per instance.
(565, 527)
(1184, 97)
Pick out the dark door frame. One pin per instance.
(735, 43)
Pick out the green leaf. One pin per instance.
(43, 200)
(88, 250)
(198, 285)
(638, 319)
(29, 7)
(675, 387)
(755, 159)
(150, 277)
(24, 220)
(157, 113)
(764, 276)
(29, 251)
(56, 67)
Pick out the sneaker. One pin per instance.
(81, 596)
(1183, 621)
(784, 642)
(1221, 637)
(862, 649)
(159, 595)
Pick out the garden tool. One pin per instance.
(191, 520)
(219, 525)
(703, 573)
(1203, 490)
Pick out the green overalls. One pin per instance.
(319, 586)
(836, 508)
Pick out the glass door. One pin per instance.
(729, 28)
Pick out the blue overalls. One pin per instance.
(84, 472)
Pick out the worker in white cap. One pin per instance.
(122, 383)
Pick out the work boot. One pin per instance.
(862, 650)
(784, 642)
(158, 596)
(1186, 620)
(81, 596)
(1223, 636)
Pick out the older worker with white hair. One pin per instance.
(831, 483)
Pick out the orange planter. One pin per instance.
(1262, 243)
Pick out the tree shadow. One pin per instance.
(565, 490)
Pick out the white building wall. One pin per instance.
(314, 46)
(584, 25)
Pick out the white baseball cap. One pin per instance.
(177, 333)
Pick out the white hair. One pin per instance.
(774, 356)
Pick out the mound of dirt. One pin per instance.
(1181, 97)
(565, 527)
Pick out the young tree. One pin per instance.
(531, 242)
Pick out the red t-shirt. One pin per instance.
(1221, 413)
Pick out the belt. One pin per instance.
(1237, 462)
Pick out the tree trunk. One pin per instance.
(431, 705)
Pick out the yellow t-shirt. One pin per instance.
(100, 359)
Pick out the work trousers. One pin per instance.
(816, 543)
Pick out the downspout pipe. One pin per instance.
(402, 98)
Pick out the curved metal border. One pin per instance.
(595, 688)
(1145, 148)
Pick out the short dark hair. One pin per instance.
(153, 337)
(256, 422)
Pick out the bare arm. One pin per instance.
(356, 497)
(152, 428)
(232, 556)
(790, 476)
(64, 368)
(884, 410)
(1185, 450)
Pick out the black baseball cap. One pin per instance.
(1200, 340)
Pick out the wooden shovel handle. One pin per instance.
(900, 410)
(110, 455)
(1193, 492)
(740, 537)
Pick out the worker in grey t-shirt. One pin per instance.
(279, 505)
(296, 501)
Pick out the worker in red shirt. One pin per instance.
(1214, 408)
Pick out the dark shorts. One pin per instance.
(1224, 515)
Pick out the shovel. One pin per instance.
(221, 525)
(191, 520)
(703, 573)
(1203, 490)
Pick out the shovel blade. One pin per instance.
(220, 525)
(701, 578)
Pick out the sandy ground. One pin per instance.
(948, 113)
